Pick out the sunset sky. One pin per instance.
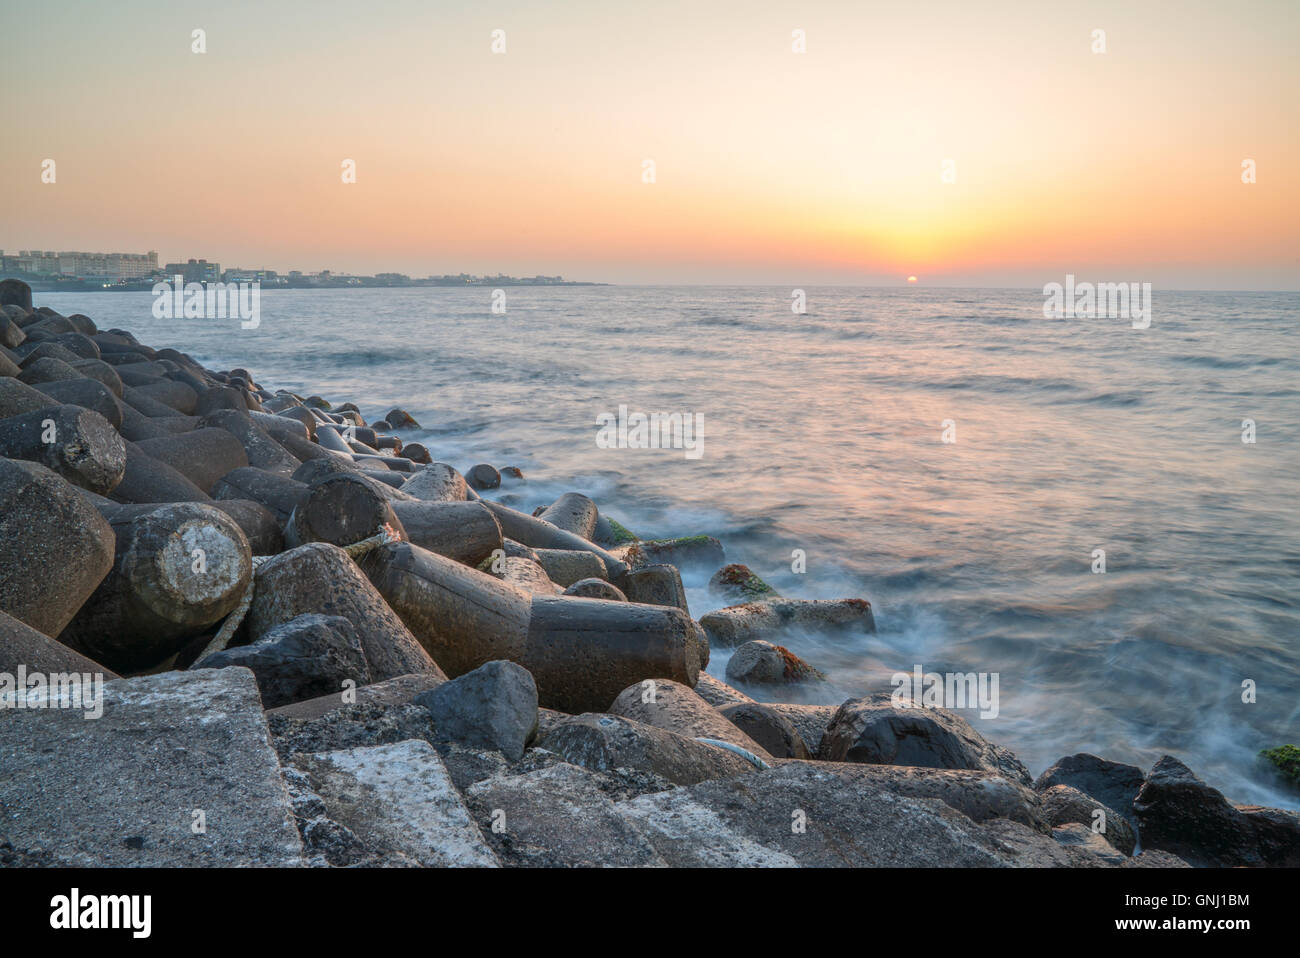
(771, 166)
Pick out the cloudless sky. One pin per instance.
(771, 166)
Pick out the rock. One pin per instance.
(55, 548)
(416, 452)
(1283, 763)
(526, 575)
(202, 456)
(564, 567)
(1064, 805)
(277, 493)
(462, 531)
(1277, 834)
(149, 480)
(539, 534)
(400, 419)
(170, 750)
(656, 585)
(21, 646)
(78, 444)
(512, 472)
(11, 334)
(595, 589)
(670, 705)
(178, 570)
(483, 476)
(558, 816)
(686, 552)
(46, 370)
(572, 512)
(436, 482)
(308, 656)
(762, 663)
(257, 521)
(768, 728)
(581, 652)
(873, 731)
(602, 742)
(738, 582)
(1112, 784)
(718, 693)
(17, 293)
(494, 707)
(321, 578)
(263, 451)
(398, 802)
(341, 510)
(87, 393)
(611, 532)
(738, 624)
(396, 691)
(810, 814)
(810, 721)
(1179, 813)
(178, 396)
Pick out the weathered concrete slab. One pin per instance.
(126, 789)
(399, 802)
(557, 816)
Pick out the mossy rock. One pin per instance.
(738, 581)
(622, 535)
(1284, 762)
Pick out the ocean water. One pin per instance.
(823, 433)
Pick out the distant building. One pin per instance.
(195, 271)
(237, 275)
(109, 266)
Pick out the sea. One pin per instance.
(1107, 518)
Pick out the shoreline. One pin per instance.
(499, 659)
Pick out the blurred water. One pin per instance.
(823, 433)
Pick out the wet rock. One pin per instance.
(768, 728)
(602, 742)
(399, 804)
(416, 452)
(526, 575)
(401, 419)
(341, 510)
(1179, 813)
(656, 585)
(686, 552)
(1112, 784)
(1064, 805)
(494, 707)
(762, 663)
(873, 731)
(483, 476)
(167, 748)
(595, 589)
(738, 582)
(202, 456)
(573, 512)
(738, 624)
(308, 656)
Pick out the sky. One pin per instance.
(770, 166)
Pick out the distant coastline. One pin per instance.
(48, 285)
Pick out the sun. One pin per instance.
(911, 279)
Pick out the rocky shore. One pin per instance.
(240, 626)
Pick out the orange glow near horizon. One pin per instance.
(988, 146)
